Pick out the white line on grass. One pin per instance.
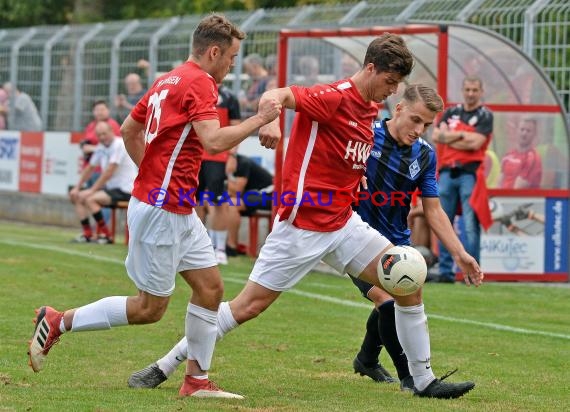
(323, 298)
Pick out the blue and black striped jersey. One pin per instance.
(393, 173)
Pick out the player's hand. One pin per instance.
(268, 109)
(472, 274)
(73, 193)
(84, 194)
(269, 135)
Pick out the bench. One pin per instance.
(254, 229)
(123, 204)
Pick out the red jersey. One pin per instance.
(527, 165)
(330, 142)
(479, 120)
(168, 173)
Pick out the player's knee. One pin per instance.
(146, 312)
(410, 300)
(210, 293)
(153, 314)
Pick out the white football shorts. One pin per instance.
(289, 253)
(161, 244)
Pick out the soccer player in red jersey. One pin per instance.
(329, 145)
(165, 135)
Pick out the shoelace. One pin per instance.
(448, 374)
(213, 387)
(48, 347)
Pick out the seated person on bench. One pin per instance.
(113, 185)
(246, 189)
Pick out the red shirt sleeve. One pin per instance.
(319, 102)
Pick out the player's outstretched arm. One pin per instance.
(440, 224)
(216, 139)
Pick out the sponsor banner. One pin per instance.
(512, 254)
(60, 163)
(76, 166)
(556, 236)
(529, 235)
(31, 156)
(9, 160)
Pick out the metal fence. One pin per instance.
(66, 68)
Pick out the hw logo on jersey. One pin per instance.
(358, 152)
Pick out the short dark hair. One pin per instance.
(473, 79)
(214, 30)
(426, 94)
(98, 102)
(389, 53)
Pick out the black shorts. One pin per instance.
(117, 195)
(363, 286)
(211, 181)
(256, 201)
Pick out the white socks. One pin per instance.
(178, 353)
(219, 238)
(173, 359)
(226, 321)
(201, 331)
(103, 314)
(412, 329)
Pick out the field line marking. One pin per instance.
(323, 298)
(62, 250)
(489, 325)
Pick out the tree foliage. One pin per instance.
(26, 13)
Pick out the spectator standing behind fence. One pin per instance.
(21, 113)
(124, 103)
(113, 185)
(246, 190)
(521, 168)
(309, 70)
(463, 135)
(271, 67)
(253, 65)
(3, 110)
(214, 173)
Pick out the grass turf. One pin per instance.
(513, 340)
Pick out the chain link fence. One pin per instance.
(67, 68)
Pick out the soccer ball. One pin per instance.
(402, 270)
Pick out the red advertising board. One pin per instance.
(31, 155)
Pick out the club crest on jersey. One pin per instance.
(376, 154)
(414, 168)
(358, 152)
(473, 121)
